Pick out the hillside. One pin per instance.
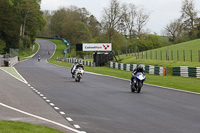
(160, 56)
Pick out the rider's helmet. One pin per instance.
(140, 68)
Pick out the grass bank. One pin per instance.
(178, 52)
(21, 127)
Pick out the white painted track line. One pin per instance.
(41, 118)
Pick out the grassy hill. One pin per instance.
(168, 56)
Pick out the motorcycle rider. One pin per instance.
(74, 67)
(79, 65)
(139, 68)
(38, 57)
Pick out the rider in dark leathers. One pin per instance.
(135, 71)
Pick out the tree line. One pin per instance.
(122, 24)
(20, 21)
(187, 26)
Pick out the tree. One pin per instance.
(57, 20)
(84, 14)
(129, 16)
(94, 26)
(142, 19)
(174, 29)
(189, 15)
(76, 32)
(31, 18)
(2, 45)
(9, 24)
(112, 16)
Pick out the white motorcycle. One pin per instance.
(78, 74)
(138, 82)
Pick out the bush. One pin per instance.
(26, 42)
(2, 45)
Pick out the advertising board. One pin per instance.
(97, 47)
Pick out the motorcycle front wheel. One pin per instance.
(132, 88)
(139, 87)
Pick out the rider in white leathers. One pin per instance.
(74, 67)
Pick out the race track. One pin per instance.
(101, 104)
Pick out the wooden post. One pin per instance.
(135, 53)
(146, 55)
(156, 55)
(142, 54)
(177, 55)
(138, 54)
(183, 55)
(199, 55)
(161, 54)
(171, 54)
(132, 52)
(191, 55)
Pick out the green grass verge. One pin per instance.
(21, 127)
(12, 71)
(182, 83)
(26, 53)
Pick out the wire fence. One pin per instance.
(171, 55)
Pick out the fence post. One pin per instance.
(132, 52)
(151, 55)
(156, 54)
(161, 54)
(199, 55)
(177, 56)
(191, 55)
(146, 55)
(171, 54)
(142, 54)
(135, 54)
(138, 54)
(183, 55)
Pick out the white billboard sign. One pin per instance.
(97, 47)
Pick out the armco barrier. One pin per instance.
(186, 71)
(130, 67)
(72, 60)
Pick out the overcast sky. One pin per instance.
(162, 11)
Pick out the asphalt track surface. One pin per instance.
(19, 103)
(100, 104)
